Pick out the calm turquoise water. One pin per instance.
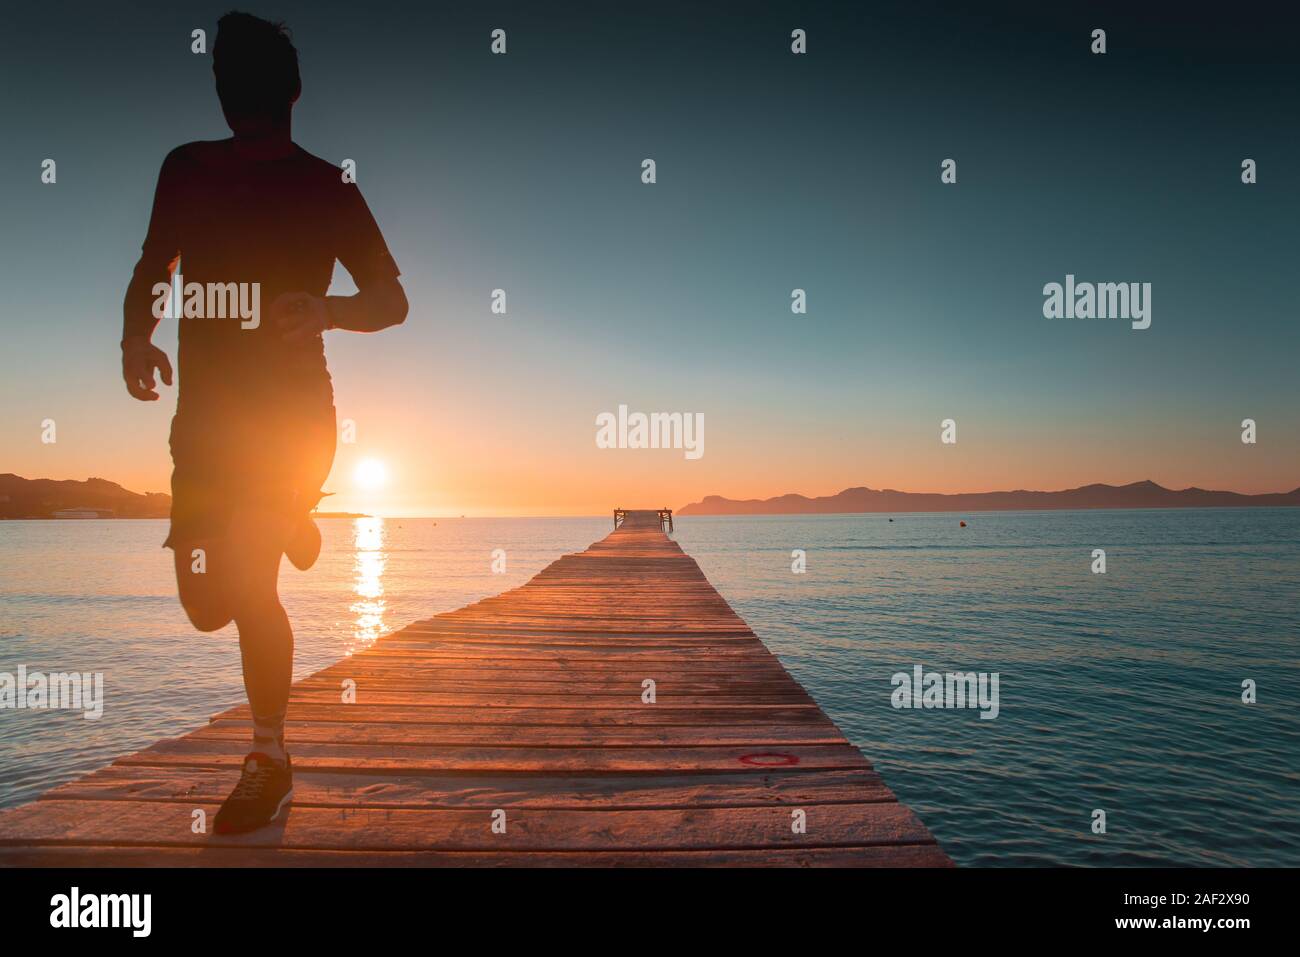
(1119, 691)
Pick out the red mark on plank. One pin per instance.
(768, 759)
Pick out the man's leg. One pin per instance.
(265, 637)
(256, 539)
(202, 583)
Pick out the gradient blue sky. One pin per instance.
(775, 171)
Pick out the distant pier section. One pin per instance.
(665, 518)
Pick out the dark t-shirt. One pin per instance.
(280, 223)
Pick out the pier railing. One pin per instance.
(663, 515)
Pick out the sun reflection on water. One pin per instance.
(368, 584)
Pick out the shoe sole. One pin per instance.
(295, 556)
(303, 564)
(288, 796)
(267, 823)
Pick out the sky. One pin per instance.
(775, 171)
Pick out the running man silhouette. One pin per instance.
(254, 432)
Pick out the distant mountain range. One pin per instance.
(41, 498)
(1137, 495)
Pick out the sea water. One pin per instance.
(1119, 692)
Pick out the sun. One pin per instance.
(370, 474)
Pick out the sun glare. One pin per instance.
(370, 474)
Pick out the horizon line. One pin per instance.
(360, 512)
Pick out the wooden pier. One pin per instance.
(665, 518)
(612, 711)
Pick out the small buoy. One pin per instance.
(963, 524)
(891, 519)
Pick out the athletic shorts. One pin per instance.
(272, 461)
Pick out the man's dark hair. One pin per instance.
(256, 65)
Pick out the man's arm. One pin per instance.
(158, 258)
(377, 306)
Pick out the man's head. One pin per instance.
(256, 67)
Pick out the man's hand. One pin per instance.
(140, 358)
(299, 316)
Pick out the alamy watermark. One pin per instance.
(212, 300)
(1100, 300)
(66, 691)
(130, 911)
(953, 689)
(654, 430)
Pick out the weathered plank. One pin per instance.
(99, 855)
(504, 735)
(559, 717)
(443, 758)
(350, 789)
(150, 823)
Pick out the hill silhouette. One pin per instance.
(1136, 495)
(40, 498)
